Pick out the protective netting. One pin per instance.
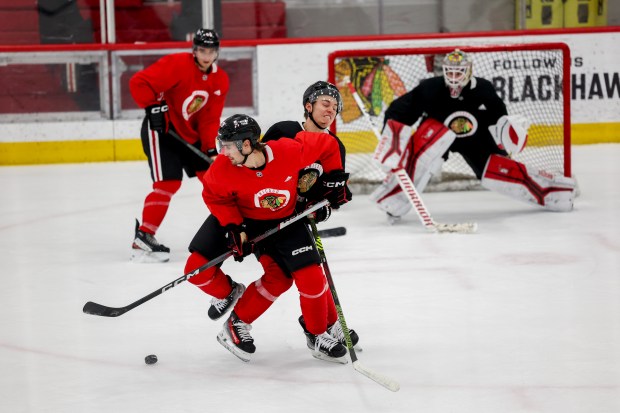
(528, 78)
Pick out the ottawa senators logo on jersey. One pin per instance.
(194, 103)
(273, 199)
(462, 124)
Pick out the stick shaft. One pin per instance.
(105, 311)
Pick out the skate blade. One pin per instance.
(320, 356)
(146, 257)
(240, 354)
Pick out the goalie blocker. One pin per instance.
(428, 144)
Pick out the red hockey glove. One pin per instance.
(238, 242)
(335, 188)
(158, 117)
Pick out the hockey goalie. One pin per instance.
(457, 112)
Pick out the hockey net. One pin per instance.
(532, 79)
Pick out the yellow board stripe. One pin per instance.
(30, 153)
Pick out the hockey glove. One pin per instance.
(158, 117)
(238, 242)
(335, 188)
(322, 214)
(211, 153)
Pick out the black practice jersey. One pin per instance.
(468, 116)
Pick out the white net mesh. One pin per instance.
(528, 78)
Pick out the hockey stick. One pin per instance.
(332, 232)
(408, 187)
(105, 311)
(386, 382)
(191, 147)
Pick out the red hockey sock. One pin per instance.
(332, 314)
(312, 286)
(259, 295)
(156, 204)
(212, 281)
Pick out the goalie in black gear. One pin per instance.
(458, 112)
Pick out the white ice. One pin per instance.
(523, 316)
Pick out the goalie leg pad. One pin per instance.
(425, 150)
(551, 191)
(392, 145)
(390, 197)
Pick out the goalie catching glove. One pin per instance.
(238, 242)
(158, 117)
(510, 133)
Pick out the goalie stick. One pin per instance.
(105, 311)
(385, 381)
(408, 187)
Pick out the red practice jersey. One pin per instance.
(195, 99)
(233, 193)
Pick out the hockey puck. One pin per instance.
(150, 359)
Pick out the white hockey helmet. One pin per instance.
(457, 69)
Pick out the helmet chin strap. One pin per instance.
(313, 121)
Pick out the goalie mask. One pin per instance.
(457, 69)
(321, 88)
(237, 129)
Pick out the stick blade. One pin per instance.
(332, 232)
(102, 310)
(385, 381)
(462, 228)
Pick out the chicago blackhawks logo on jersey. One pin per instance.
(462, 124)
(273, 199)
(194, 103)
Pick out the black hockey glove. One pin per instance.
(322, 214)
(158, 117)
(212, 153)
(335, 188)
(238, 242)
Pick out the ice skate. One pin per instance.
(235, 337)
(335, 330)
(146, 249)
(219, 307)
(325, 347)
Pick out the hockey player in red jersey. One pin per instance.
(249, 189)
(184, 93)
(458, 112)
(321, 103)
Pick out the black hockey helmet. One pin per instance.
(237, 128)
(206, 38)
(321, 88)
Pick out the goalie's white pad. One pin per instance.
(391, 147)
(510, 133)
(425, 151)
(421, 156)
(390, 197)
(509, 177)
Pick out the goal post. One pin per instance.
(533, 80)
